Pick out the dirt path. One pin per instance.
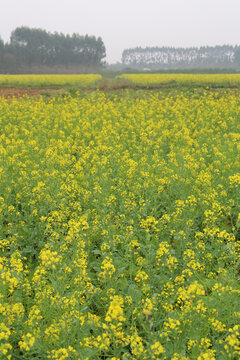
(20, 92)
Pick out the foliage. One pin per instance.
(171, 57)
(37, 47)
(1, 50)
(120, 226)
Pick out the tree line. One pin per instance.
(225, 56)
(36, 48)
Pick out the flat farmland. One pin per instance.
(120, 223)
(38, 81)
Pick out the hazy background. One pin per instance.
(130, 23)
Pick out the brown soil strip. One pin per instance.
(20, 92)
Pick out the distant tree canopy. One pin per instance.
(36, 47)
(1, 49)
(169, 57)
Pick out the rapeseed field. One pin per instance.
(151, 79)
(120, 226)
(48, 80)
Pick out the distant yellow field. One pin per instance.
(181, 78)
(48, 80)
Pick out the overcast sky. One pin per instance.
(129, 23)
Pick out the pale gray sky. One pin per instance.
(129, 23)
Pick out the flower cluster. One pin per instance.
(120, 226)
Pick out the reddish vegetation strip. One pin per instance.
(20, 92)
